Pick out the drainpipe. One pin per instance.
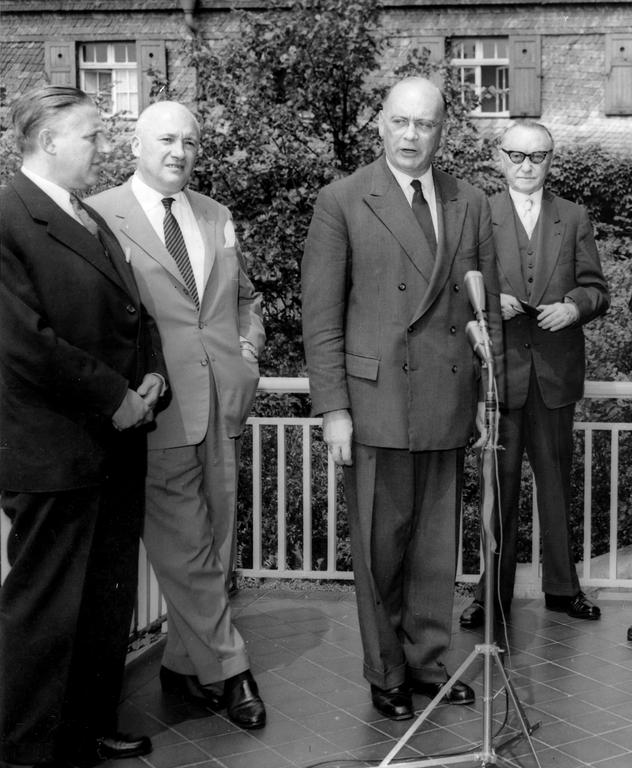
(188, 7)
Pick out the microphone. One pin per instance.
(479, 339)
(475, 337)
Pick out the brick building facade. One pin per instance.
(566, 63)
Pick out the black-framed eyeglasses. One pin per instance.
(534, 157)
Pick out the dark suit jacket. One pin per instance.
(384, 323)
(74, 337)
(567, 264)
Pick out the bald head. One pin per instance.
(166, 143)
(410, 125)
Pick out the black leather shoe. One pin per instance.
(245, 707)
(460, 693)
(473, 616)
(114, 746)
(577, 607)
(118, 746)
(394, 703)
(188, 688)
(630, 634)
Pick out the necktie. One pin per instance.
(84, 217)
(528, 216)
(421, 209)
(177, 248)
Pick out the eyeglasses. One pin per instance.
(518, 157)
(400, 124)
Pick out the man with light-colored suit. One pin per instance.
(397, 383)
(81, 370)
(551, 285)
(191, 275)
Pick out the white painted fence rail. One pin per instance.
(612, 569)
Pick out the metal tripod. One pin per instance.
(489, 650)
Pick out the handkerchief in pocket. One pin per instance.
(229, 234)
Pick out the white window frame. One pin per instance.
(112, 67)
(476, 63)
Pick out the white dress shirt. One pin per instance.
(528, 207)
(58, 194)
(427, 187)
(151, 202)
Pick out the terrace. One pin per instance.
(572, 677)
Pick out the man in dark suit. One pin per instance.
(393, 374)
(81, 370)
(551, 284)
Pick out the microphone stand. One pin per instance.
(489, 650)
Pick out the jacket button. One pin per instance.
(527, 345)
(201, 325)
(405, 367)
(530, 280)
(203, 362)
(411, 328)
(131, 309)
(402, 286)
(456, 288)
(452, 329)
(454, 369)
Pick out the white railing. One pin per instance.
(612, 569)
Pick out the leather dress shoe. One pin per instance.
(460, 693)
(473, 616)
(114, 746)
(394, 703)
(189, 688)
(244, 705)
(630, 634)
(577, 607)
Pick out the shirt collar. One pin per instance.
(58, 194)
(149, 197)
(404, 180)
(520, 197)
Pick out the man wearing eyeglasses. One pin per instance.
(394, 376)
(551, 284)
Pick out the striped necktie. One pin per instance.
(177, 248)
(84, 217)
(421, 209)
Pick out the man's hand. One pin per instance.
(554, 317)
(481, 426)
(510, 306)
(151, 388)
(132, 412)
(337, 432)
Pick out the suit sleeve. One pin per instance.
(324, 278)
(591, 293)
(39, 358)
(250, 313)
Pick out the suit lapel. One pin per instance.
(63, 228)
(208, 231)
(388, 203)
(506, 244)
(551, 230)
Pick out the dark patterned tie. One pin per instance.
(177, 248)
(84, 217)
(421, 209)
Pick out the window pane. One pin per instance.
(468, 75)
(100, 51)
(489, 49)
(90, 82)
(120, 52)
(501, 48)
(131, 51)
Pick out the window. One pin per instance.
(109, 71)
(484, 67)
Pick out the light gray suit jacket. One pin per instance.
(192, 341)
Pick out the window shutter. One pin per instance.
(150, 54)
(619, 74)
(59, 63)
(524, 76)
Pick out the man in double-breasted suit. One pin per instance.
(81, 370)
(395, 379)
(191, 275)
(551, 285)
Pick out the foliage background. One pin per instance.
(286, 110)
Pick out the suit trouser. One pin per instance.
(547, 436)
(403, 515)
(189, 533)
(65, 615)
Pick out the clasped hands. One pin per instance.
(138, 406)
(552, 317)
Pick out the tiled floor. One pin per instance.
(572, 677)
